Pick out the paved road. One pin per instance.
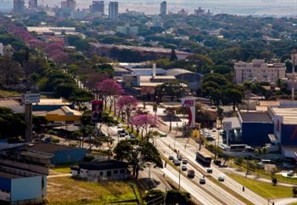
(189, 153)
(215, 191)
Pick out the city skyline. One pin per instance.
(253, 7)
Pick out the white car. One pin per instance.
(221, 178)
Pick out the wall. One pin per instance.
(256, 134)
(288, 134)
(26, 188)
(68, 156)
(5, 183)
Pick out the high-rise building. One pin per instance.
(71, 4)
(19, 6)
(97, 7)
(113, 10)
(33, 4)
(163, 8)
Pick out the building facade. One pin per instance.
(18, 6)
(33, 4)
(259, 71)
(113, 10)
(101, 170)
(163, 8)
(97, 7)
(127, 30)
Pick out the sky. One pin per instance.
(239, 7)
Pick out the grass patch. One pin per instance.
(266, 190)
(62, 170)
(238, 196)
(65, 190)
(5, 93)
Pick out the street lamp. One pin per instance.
(179, 178)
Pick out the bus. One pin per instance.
(203, 158)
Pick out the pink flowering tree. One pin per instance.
(108, 89)
(144, 122)
(127, 103)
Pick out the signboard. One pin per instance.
(31, 98)
(97, 107)
(190, 104)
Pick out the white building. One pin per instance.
(259, 71)
(101, 170)
(127, 29)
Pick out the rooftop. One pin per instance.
(47, 148)
(103, 165)
(256, 117)
(289, 114)
(8, 175)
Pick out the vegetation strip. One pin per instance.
(264, 189)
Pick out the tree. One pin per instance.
(233, 95)
(173, 56)
(294, 191)
(143, 121)
(177, 197)
(274, 181)
(11, 125)
(107, 89)
(11, 72)
(174, 89)
(127, 103)
(137, 155)
(154, 196)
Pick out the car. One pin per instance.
(185, 161)
(184, 168)
(120, 130)
(191, 173)
(290, 173)
(202, 180)
(171, 157)
(179, 157)
(132, 136)
(119, 126)
(176, 162)
(209, 170)
(214, 130)
(221, 178)
(210, 138)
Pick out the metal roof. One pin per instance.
(256, 117)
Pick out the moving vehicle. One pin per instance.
(191, 173)
(162, 134)
(203, 158)
(221, 178)
(184, 168)
(202, 180)
(209, 170)
(185, 161)
(171, 157)
(176, 162)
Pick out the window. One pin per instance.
(122, 171)
(115, 171)
(101, 173)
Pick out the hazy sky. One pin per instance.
(241, 7)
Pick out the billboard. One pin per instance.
(190, 104)
(30, 98)
(97, 107)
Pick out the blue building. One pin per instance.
(55, 154)
(21, 187)
(256, 126)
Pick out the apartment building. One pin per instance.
(259, 71)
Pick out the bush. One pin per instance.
(294, 190)
(55, 140)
